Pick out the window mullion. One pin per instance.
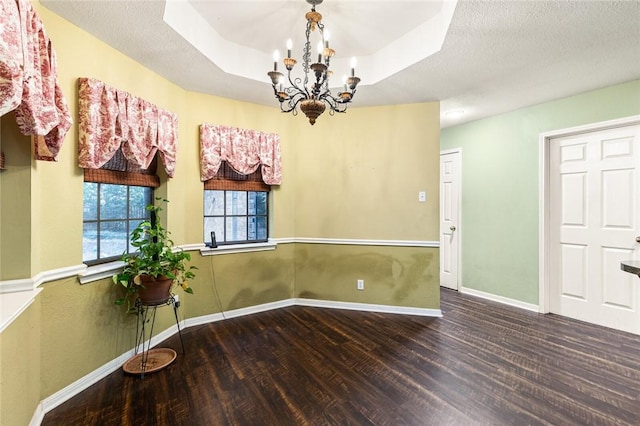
(126, 217)
(99, 214)
(246, 212)
(224, 211)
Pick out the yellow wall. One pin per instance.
(80, 331)
(351, 176)
(358, 175)
(15, 202)
(233, 281)
(20, 370)
(396, 276)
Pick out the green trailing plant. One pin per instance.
(155, 255)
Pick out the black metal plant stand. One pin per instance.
(147, 360)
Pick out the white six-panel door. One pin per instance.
(594, 219)
(450, 175)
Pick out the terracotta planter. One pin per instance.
(154, 290)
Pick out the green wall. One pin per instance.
(500, 174)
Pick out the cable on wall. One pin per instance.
(215, 289)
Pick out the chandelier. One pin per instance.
(312, 98)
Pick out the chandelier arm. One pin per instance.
(328, 99)
(295, 105)
(295, 86)
(292, 103)
(326, 85)
(347, 98)
(318, 89)
(332, 99)
(335, 105)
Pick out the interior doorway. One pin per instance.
(590, 221)
(450, 223)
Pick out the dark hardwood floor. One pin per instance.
(482, 363)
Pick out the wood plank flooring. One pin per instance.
(481, 364)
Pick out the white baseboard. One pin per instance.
(205, 319)
(403, 310)
(38, 416)
(500, 299)
(90, 379)
(76, 387)
(259, 308)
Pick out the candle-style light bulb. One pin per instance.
(353, 66)
(320, 48)
(276, 56)
(289, 46)
(344, 81)
(326, 38)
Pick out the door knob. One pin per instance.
(638, 239)
(453, 228)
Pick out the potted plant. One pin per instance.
(156, 267)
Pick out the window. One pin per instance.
(238, 167)
(235, 207)
(235, 216)
(110, 212)
(114, 202)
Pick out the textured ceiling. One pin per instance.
(497, 56)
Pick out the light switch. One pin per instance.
(422, 196)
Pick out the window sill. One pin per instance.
(238, 248)
(98, 272)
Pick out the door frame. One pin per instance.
(544, 202)
(459, 226)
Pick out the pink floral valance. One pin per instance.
(110, 118)
(28, 79)
(243, 149)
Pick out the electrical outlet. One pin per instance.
(360, 284)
